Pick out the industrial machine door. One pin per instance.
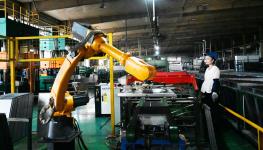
(105, 99)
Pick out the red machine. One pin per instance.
(170, 78)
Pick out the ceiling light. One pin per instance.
(157, 47)
(157, 53)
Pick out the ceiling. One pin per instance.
(182, 24)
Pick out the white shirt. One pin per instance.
(211, 73)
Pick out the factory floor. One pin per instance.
(232, 140)
(95, 130)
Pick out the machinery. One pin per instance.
(102, 100)
(57, 126)
(104, 75)
(160, 63)
(160, 115)
(85, 71)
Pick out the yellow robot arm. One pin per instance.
(93, 43)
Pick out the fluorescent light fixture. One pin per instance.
(157, 52)
(157, 47)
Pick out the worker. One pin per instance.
(210, 90)
(210, 86)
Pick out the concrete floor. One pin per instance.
(95, 130)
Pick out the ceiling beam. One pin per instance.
(192, 27)
(183, 31)
(192, 40)
(47, 5)
(102, 19)
(208, 23)
(171, 13)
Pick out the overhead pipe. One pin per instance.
(149, 15)
(126, 35)
(154, 11)
(204, 47)
(153, 20)
(155, 24)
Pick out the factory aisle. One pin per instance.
(94, 130)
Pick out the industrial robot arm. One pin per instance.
(93, 42)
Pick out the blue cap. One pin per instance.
(212, 54)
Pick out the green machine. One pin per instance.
(85, 71)
(46, 82)
(160, 63)
(46, 79)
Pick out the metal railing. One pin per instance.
(58, 29)
(3, 3)
(252, 124)
(21, 14)
(18, 13)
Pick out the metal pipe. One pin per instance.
(13, 10)
(139, 47)
(4, 60)
(210, 46)
(5, 8)
(243, 118)
(204, 47)
(49, 37)
(16, 50)
(112, 90)
(148, 12)
(20, 13)
(154, 11)
(149, 17)
(260, 140)
(126, 35)
(41, 59)
(12, 64)
(31, 74)
(43, 37)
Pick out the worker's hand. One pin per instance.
(214, 96)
